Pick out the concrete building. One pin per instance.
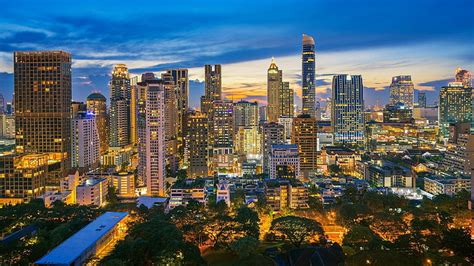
(284, 160)
(7, 126)
(459, 155)
(284, 194)
(197, 144)
(437, 185)
(286, 100)
(120, 97)
(185, 190)
(93, 191)
(304, 135)
(42, 98)
(348, 109)
(213, 87)
(343, 157)
(308, 76)
(402, 91)
(222, 136)
(388, 174)
(397, 113)
(97, 236)
(287, 123)
(223, 193)
(124, 183)
(272, 133)
(97, 104)
(455, 106)
(85, 142)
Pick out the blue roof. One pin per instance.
(285, 146)
(71, 249)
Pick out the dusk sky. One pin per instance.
(427, 39)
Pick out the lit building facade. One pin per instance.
(286, 100)
(84, 142)
(197, 144)
(305, 136)
(402, 91)
(212, 87)
(274, 83)
(42, 78)
(272, 133)
(308, 76)
(93, 191)
(284, 160)
(348, 109)
(222, 136)
(454, 106)
(97, 104)
(120, 97)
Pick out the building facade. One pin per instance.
(308, 76)
(455, 106)
(97, 104)
(272, 133)
(120, 98)
(197, 144)
(213, 87)
(85, 142)
(284, 161)
(402, 91)
(305, 135)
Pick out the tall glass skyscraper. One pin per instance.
(454, 106)
(309, 68)
(348, 109)
(120, 96)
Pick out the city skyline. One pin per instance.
(237, 44)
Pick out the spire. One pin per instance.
(273, 64)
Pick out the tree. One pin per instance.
(359, 237)
(459, 241)
(335, 169)
(297, 229)
(112, 197)
(249, 221)
(238, 199)
(245, 246)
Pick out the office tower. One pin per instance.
(84, 142)
(133, 110)
(286, 100)
(274, 84)
(23, 176)
(422, 99)
(171, 122)
(284, 161)
(308, 76)
(454, 106)
(272, 133)
(222, 135)
(181, 82)
(213, 87)
(401, 91)
(43, 107)
(77, 107)
(197, 143)
(97, 104)
(348, 109)
(120, 96)
(397, 113)
(463, 76)
(245, 114)
(151, 136)
(304, 135)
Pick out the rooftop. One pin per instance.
(75, 246)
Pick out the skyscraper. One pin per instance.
(43, 107)
(197, 143)
(402, 91)
(246, 128)
(454, 106)
(212, 87)
(272, 133)
(422, 99)
(464, 76)
(308, 76)
(120, 97)
(304, 134)
(84, 142)
(97, 104)
(348, 108)
(2, 104)
(151, 137)
(222, 135)
(286, 100)
(274, 84)
(171, 122)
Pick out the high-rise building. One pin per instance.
(84, 142)
(151, 136)
(181, 82)
(97, 104)
(9, 108)
(454, 106)
(284, 161)
(272, 133)
(246, 114)
(23, 177)
(287, 122)
(463, 76)
(133, 110)
(171, 122)
(305, 136)
(286, 100)
(402, 91)
(348, 109)
(262, 114)
(2, 104)
(397, 113)
(213, 87)
(43, 107)
(120, 97)
(308, 75)
(422, 99)
(77, 107)
(222, 135)
(247, 141)
(197, 144)
(7, 126)
(274, 84)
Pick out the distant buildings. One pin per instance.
(247, 139)
(348, 109)
(97, 104)
(213, 87)
(284, 161)
(43, 106)
(120, 97)
(308, 76)
(7, 126)
(422, 99)
(402, 91)
(397, 113)
(455, 106)
(459, 155)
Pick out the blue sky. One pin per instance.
(377, 39)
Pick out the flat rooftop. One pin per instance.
(72, 248)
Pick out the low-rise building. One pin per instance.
(223, 193)
(184, 191)
(124, 183)
(437, 185)
(343, 157)
(286, 194)
(388, 174)
(284, 161)
(93, 191)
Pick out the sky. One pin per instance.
(377, 39)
